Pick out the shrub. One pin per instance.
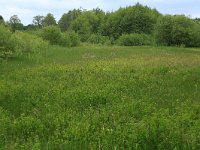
(135, 40)
(6, 44)
(65, 40)
(99, 39)
(51, 34)
(70, 39)
(75, 40)
(27, 43)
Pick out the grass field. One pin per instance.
(98, 97)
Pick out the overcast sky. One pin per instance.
(26, 9)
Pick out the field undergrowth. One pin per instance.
(99, 97)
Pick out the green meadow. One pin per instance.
(101, 97)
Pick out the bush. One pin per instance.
(65, 40)
(135, 40)
(70, 39)
(75, 40)
(6, 44)
(27, 43)
(51, 34)
(99, 39)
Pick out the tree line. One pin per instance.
(133, 25)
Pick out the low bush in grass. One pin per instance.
(54, 35)
(135, 40)
(7, 47)
(27, 43)
(69, 39)
(65, 40)
(99, 39)
(19, 43)
(75, 40)
(51, 34)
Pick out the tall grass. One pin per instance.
(94, 97)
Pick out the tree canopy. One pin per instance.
(128, 22)
(1, 20)
(38, 21)
(15, 23)
(67, 18)
(49, 20)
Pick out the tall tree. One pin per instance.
(197, 20)
(38, 21)
(87, 23)
(30, 27)
(174, 30)
(15, 23)
(132, 19)
(163, 30)
(81, 26)
(1, 20)
(67, 18)
(49, 20)
(181, 32)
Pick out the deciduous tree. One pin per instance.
(15, 23)
(1, 20)
(67, 18)
(38, 21)
(49, 20)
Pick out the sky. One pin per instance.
(27, 9)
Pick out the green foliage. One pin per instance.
(19, 43)
(55, 37)
(99, 39)
(49, 20)
(132, 19)
(7, 47)
(30, 27)
(65, 40)
(1, 20)
(101, 18)
(28, 43)
(75, 41)
(163, 30)
(89, 22)
(51, 34)
(195, 35)
(82, 27)
(174, 30)
(67, 18)
(70, 39)
(135, 40)
(38, 21)
(181, 32)
(15, 23)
